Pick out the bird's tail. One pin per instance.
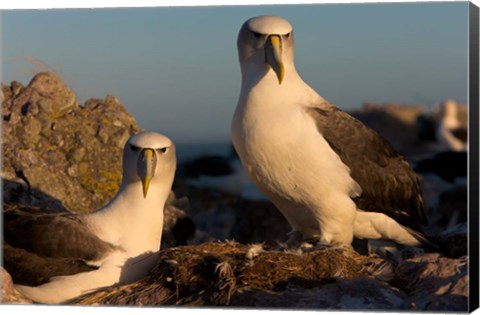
(433, 243)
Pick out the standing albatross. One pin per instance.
(116, 244)
(331, 177)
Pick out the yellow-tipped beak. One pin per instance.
(273, 53)
(146, 168)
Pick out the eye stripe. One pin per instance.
(257, 35)
(138, 149)
(134, 148)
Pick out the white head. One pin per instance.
(149, 157)
(265, 43)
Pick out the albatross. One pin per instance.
(116, 244)
(450, 133)
(330, 176)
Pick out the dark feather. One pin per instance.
(51, 234)
(388, 183)
(30, 269)
(39, 244)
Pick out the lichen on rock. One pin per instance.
(52, 142)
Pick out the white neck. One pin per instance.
(131, 221)
(257, 83)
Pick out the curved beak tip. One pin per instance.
(280, 73)
(145, 185)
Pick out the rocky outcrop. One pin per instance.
(58, 153)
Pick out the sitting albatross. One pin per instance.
(330, 176)
(116, 244)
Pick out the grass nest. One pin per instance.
(218, 273)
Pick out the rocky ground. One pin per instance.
(65, 156)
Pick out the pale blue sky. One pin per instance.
(176, 69)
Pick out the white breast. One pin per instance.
(292, 164)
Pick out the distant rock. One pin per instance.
(235, 183)
(220, 216)
(211, 165)
(396, 123)
(457, 163)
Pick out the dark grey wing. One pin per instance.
(51, 234)
(28, 268)
(388, 183)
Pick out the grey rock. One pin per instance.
(78, 154)
(17, 88)
(31, 129)
(72, 171)
(45, 144)
(341, 294)
(46, 105)
(434, 282)
(103, 135)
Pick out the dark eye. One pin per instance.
(134, 148)
(162, 150)
(257, 35)
(287, 35)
